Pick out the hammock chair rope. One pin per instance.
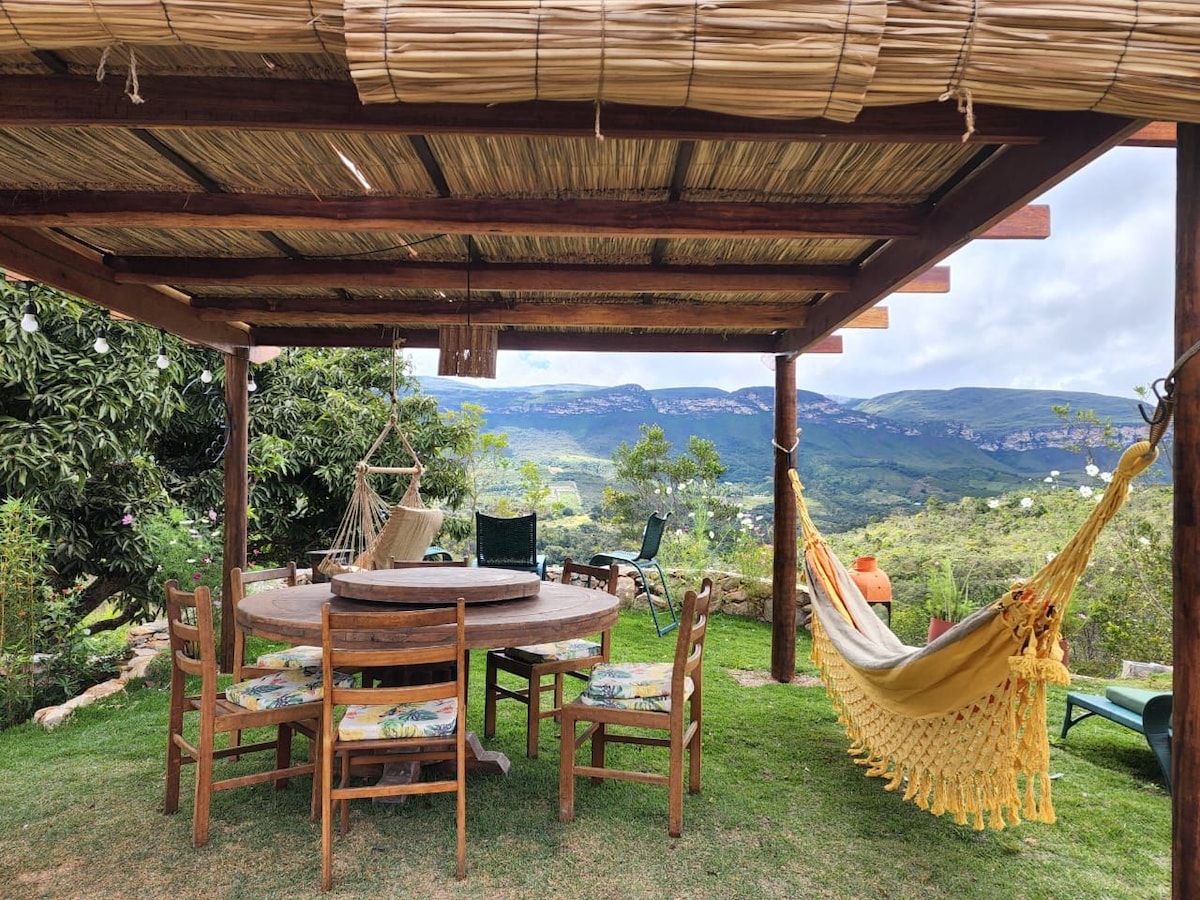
(373, 532)
(960, 724)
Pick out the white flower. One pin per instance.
(1050, 556)
(993, 503)
(668, 492)
(678, 532)
(711, 535)
(1049, 479)
(1026, 502)
(190, 561)
(1144, 541)
(1054, 473)
(186, 521)
(1106, 477)
(1092, 469)
(1085, 491)
(656, 492)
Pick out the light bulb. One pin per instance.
(29, 322)
(252, 385)
(163, 360)
(206, 376)
(101, 345)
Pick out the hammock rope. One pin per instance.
(959, 725)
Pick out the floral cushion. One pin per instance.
(302, 657)
(433, 718)
(654, 704)
(555, 651)
(287, 687)
(624, 681)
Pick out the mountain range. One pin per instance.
(859, 458)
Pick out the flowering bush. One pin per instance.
(188, 548)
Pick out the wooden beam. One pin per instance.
(72, 269)
(378, 273)
(784, 554)
(1028, 223)
(934, 280)
(1185, 718)
(1156, 134)
(329, 312)
(1003, 185)
(291, 105)
(237, 489)
(563, 341)
(271, 212)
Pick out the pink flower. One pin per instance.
(196, 576)
(212, 515)
(206, 560)
(127, 519)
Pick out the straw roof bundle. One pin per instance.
(1130, 57)
(753, 57)
(282, 26)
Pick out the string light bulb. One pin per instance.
(206, 376)
(251, 385)
(163, 360)
(101, 345)
(29, 322)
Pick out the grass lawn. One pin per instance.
(784, 813)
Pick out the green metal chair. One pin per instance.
(509, 543)
(646, 558)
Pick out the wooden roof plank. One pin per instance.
(297, 105)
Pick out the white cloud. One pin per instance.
(1089, 309)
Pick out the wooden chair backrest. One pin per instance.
(238, 579)
(598, 577)
(190, 630)
(689, 647)
(411, 631)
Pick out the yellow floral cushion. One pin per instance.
(302, 657)
(628, 680)
(433, 718)
(287, 687)
(655, 704)
(555, 651)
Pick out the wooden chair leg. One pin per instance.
(174, 764)
(203, 802)
(675, 787)
(566, 769)
(533, 714)
(599, 745)
(345, 804)
(558, 692)
(326, 775)
(489, 699)
(694, 761)
(283, 753)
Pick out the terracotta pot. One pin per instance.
(872, 581)
(938, 627)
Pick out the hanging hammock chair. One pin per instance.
(373, 533)
(958, 725)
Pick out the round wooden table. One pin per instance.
(557, 612)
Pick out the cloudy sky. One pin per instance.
(1089, 309)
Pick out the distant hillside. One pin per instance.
(859, 459)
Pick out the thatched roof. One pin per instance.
(740, 175)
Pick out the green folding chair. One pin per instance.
(643, 559)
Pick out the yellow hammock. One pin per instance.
(960, 724)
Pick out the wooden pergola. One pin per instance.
(252, 201)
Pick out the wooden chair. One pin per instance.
(287, 701)
(643, 696)
(561, 658)
(415, 723)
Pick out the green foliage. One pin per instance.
(188, 550)
(315, 414)
(947, 597)
(535, 491)
(650, 478)
(482, 454)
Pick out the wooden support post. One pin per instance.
(783, 581)
(237, 487)
(1185, 763)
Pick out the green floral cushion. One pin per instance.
(433, 718)
(302, 657)
(654, 704)
(555, 651)
(629, 680)
(287, 687)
